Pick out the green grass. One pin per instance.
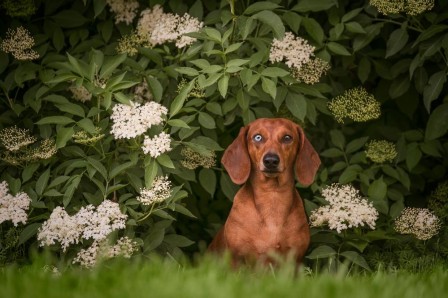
(212, 279)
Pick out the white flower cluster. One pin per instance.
(125, 10)
(135, 119)
(88, 223)
(158, 27)
(346, 209)
(13, 208)
(157, 145)
(296, 51)
(420, 222)
(159, 192)
(101, 250)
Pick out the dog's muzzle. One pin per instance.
(271, 162)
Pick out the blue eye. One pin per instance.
(258, 138)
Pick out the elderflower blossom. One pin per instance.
(19, 43)
(14, 138)
(88, 223)
(311, 72)
(356, 104)
(13, 208)
(380, 151)
(80, 93)
(85, 138)
(195, 92)
(142, 92)
(125, 10)
(438, 200)
(159, 192)
(18, 8)
(157, 145)
(193, 159)
(296, 51)
(411, 7)
(346, 209)
(420, 222)
(158, 27)
(135, 119)
(46, 149)
(101, 250)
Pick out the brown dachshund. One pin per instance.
(267, 215)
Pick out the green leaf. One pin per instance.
(178, 123)
(272, 20)
(98, 166)
(64, 134)
(437, 125)
(364, 69)
(338, 49)
(201, 63)
(413, 155)
(177, 240)
(314, 29)
(179, 100)
(434, 88)
(236, 62)
(314, 5)
(356, 258)
(165, 161)
(98, 7)
(274, 72)
(213, 34)
(351, 14)
(42, 182)
(187, 71)
(363, 40)
(337, 138)
(349, 174)
(297, 105)
(397, 41)
(29, 231)
(87, 125)
(355, 27)
(120, 168)
(377, 190)
(71, 108)
(321, 252)
(55, 120)
(151, 170)
(69, 18)
(223, 84)
(355, 145)
(207, 179)
(269, 87)
(399, 86)
(110, 64)
(73, 185)
(259, 6)
(207, 121)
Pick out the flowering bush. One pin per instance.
(114, 114)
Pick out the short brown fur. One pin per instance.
(267, 215)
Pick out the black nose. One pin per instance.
(271, 161)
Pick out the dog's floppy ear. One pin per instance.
(307, 160)
(236, 159)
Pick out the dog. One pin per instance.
(267, 216)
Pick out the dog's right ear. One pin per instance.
(236, 159)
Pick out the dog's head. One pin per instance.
(272, 147)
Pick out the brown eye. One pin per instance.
(287, 139)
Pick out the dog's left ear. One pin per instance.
(307, 160)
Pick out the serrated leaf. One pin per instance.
(434, 88)
(165, 161)
(207, 179)
(297, 105)
(272, 20)
(274, 72)
(28, 232)
(437, 125)
(259, 6)
(338, 48)
(42, 182)
(314, 29)
(207, 121)
(187, 71)
(55, 120)
(377, 190)
(223, 84)
(313, 5)
(110, 64)
(269, 87)
(397, 40)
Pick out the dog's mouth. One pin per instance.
(270, 172)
